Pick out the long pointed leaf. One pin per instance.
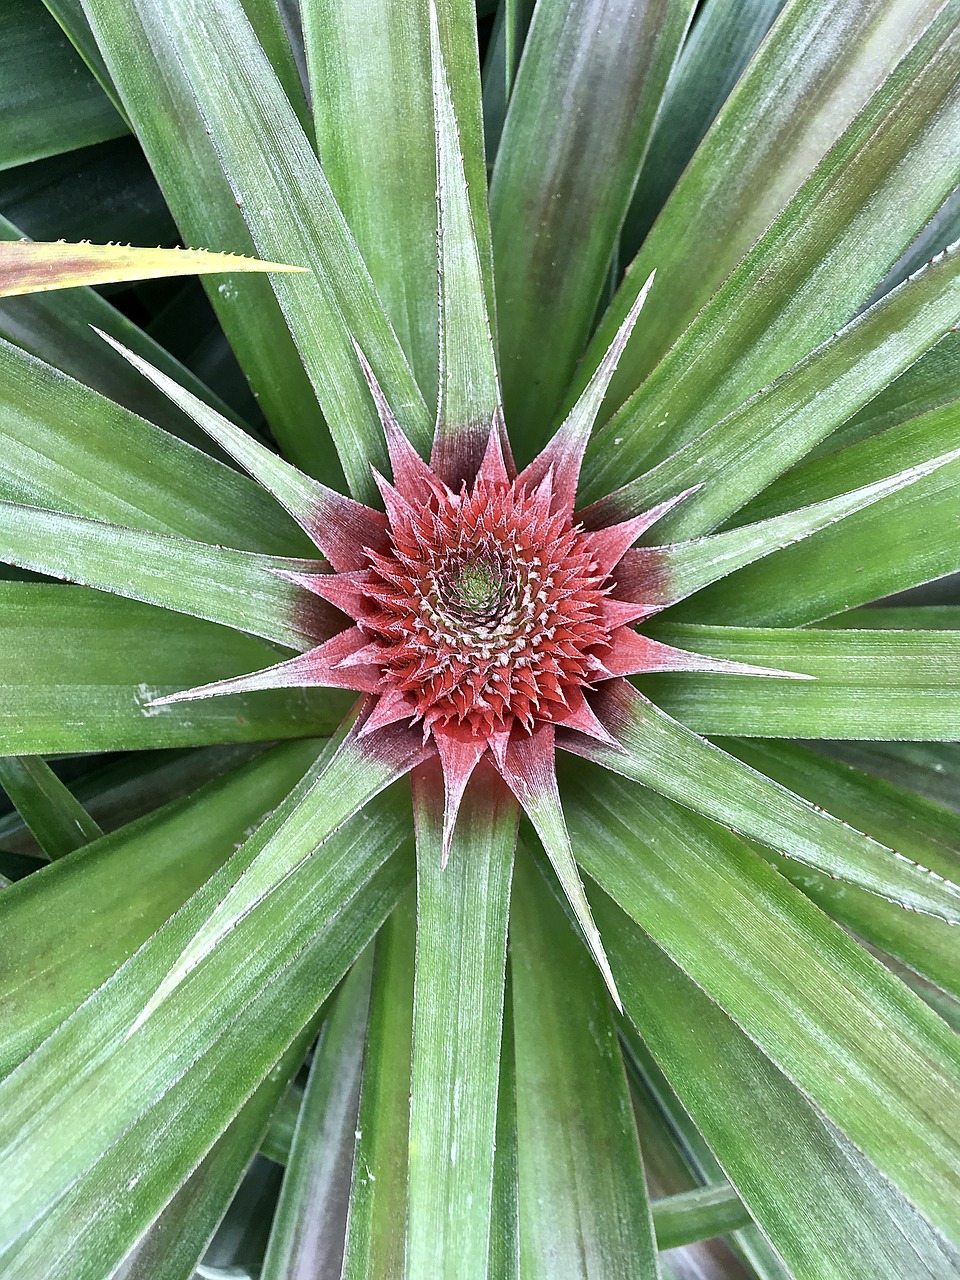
(381, 160)
(776, 428)
(129, 1094)
(582, 1202)
(866, 684)
(306, 1237)
(781, 119)
(59, 331)
(66, 447)
(140, 55)
(469, 395)
(78, 669)
(868, 1053)
(30, 267)
(130, 882)
(563, 180)
(679, 570)
(672, 760)
(921, 830)
(376, 1223)
(824, 1207)
(289, 206)
(462, 910)
(235, 588)
(345, 779)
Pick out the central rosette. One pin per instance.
(487, 608)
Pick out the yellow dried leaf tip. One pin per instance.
(34, 267)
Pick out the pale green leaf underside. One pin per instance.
(664, 755)
(827, 1209)
(462, 910)
(867, 1052)
(235, 588)
(866, 684)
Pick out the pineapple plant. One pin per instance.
(480, 654)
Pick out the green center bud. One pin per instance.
(477, 586)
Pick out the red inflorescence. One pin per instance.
(486, 611)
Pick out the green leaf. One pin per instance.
(867, 1053)
(866, 684)
(664, 755)
(380, 159)
(288, 204)
(31, 267)
(817, 263)
(60, 332)
(69, 14)
(578, 125)
(819, 478)
(129, 883)
(504, 1261)
(928, 384)
(676, 1157)
(904, 539)
(67, 447)
(174, 1244)
(270, 26)
(142, 60)
(677, 571)
(59, 823)
(766, 435)
(306, 1238)
(77, 669)
(349, 775)
(916, 827)
(235, 588)
(469, 394)
(697, 1215)
(582, 1199)
(930, 617)
(782, 118)
(298, 493)
(462, 911)
(135, 784)
(378, 1194)
(48, 100)
(125, 1096)
(509, 34)
(824, 1207)
(717, 49)
(929, 770)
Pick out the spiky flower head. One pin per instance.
(485, 615)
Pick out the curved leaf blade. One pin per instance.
(670, 759)
(822, 1205)
(833, 1020)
